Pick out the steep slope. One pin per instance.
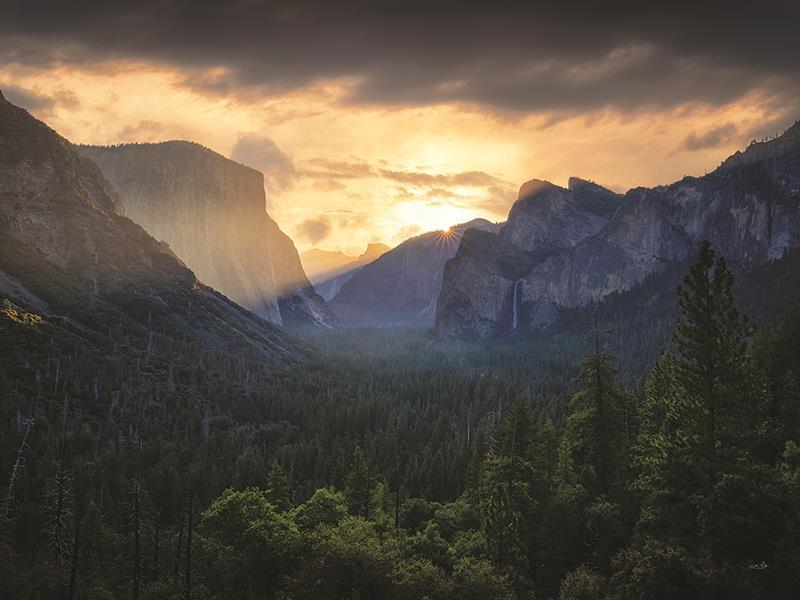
(481, 294)
(749, 208)
(401, 287)
(329, 286)
(95, 276)
(212, 213)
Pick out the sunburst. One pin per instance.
(447, 236)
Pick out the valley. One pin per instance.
(569, 403)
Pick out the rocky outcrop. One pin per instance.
(402, 286)
(212, 213)
(484, 273)
(67, 252)
(749, 208)
(547, 218)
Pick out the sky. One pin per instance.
(375, 121)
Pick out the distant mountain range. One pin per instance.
(329, 270)
(212, 213)
(567, 248)
(72, 252)
(77, 274)
(401, 287)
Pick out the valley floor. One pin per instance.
(390, 464)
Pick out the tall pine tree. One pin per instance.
(358, 485)
(707, 507)
(712, 364)
(278, 487)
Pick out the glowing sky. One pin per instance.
(374, 129)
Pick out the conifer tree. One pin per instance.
(593, 445)
(358, 485)
(278, 487)
(506, 504)
(703, 497)
(710, 336)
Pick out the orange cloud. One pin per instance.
(380, 173)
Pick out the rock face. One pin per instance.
(547, 218)
(212, 213)
(333, 269)
(67, 252)
(574, 247)
(401, 287)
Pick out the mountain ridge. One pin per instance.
(747, 208)
(402, 285)
(329, 286)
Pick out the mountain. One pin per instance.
(401, 287)
(212, 213)
(329, 285)
(76, 274)
(749, 208)
(320, 264)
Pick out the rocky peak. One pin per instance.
(775, 160)
(534, 187)
(576, 183)
(786, 144)
(547, 217)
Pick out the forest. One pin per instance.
(393, 465)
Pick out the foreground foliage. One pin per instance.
(433, 477)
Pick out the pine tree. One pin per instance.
(594, 442)
(516, 432)
(705, 502)
(358, 485)
(661, 455)
(710, 336)
(507, 506)
(278, 487)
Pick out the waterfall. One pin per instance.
(515, 306)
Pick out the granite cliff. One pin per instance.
(571, 248)
(91, 277)
(212, 213)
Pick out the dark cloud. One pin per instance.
(532, 56)
(37, 102)
(314, 230)
(711, 138)
(261, 153)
